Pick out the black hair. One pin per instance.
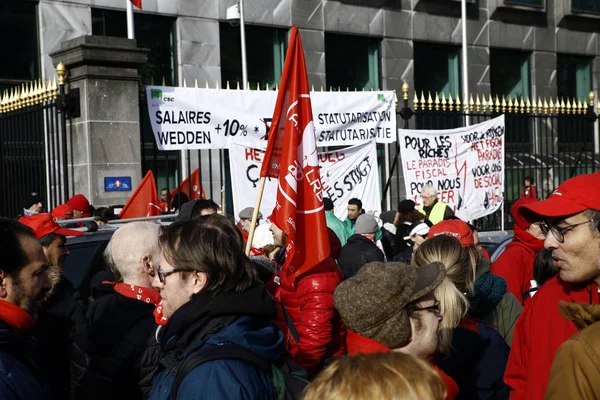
(528, 178)
(355, 202)
(203, 204)
(105, 214)
(178, 200)
(12, 255)
(48, 239)
(212, 245)
(543, 267)
(164, 189)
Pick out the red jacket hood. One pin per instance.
(358, 344)
(531, 242)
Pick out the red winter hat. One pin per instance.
(521, 221)
(43, 224)
(573, 196)
(63, 211)
(455, 228)
(79, 203)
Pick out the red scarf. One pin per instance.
(147, 295)
(18, 319)
(253, 250)
(358, 344)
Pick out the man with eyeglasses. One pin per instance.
(111, 357)
(392, 307)
(570, 220)
(432, 208)
(515, 264)
(214, 301)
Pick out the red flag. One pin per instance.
(291, 156)
(137, 3)
(197, 191)
(143, 202)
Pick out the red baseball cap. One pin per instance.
(573, 196)
(79, 203)
(63, 211)
(43, 224)
(455, 228)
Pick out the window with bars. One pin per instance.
(154, 32)
(533, 3)
(265, 54)
(585, 6)
(352, 62)
(19, 43)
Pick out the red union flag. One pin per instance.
(137, 3)
(291, 156)
(143, 202)
(191, 183)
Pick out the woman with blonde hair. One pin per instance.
(382, 376)
(472, 353)
(458, 284)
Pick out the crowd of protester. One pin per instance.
(408, 305)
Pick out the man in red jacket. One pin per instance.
(571, 221)
(314, 331)
(515, 264)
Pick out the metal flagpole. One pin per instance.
(465, 64)
(243, 40)
(130, 26)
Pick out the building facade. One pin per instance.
(519, 48)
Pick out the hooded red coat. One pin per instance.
(515, 264)
(310, 306)
(539, 332)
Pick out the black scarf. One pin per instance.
(205, 315)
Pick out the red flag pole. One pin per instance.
(261, 189)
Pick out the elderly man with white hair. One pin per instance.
(432, 208)
(110, 358)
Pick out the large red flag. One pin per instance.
(143, 202)
(197, 191)
(291, 156)
(137, 3)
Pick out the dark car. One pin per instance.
(495, 242)
(82, 251)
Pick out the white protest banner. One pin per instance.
(193, 118)
(347, 173)
(466, 166)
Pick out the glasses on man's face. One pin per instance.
(163, 274)
(559, 233)
(435, 309)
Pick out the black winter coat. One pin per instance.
(111, 356)
(357, 252)
(52, 332)
(19, 376)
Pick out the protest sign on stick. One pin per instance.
(465, 165)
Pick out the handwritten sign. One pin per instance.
(465, 165)
(346, 173)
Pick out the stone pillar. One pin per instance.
(105, 140)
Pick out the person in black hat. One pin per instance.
(32, 204)
(361, 247)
